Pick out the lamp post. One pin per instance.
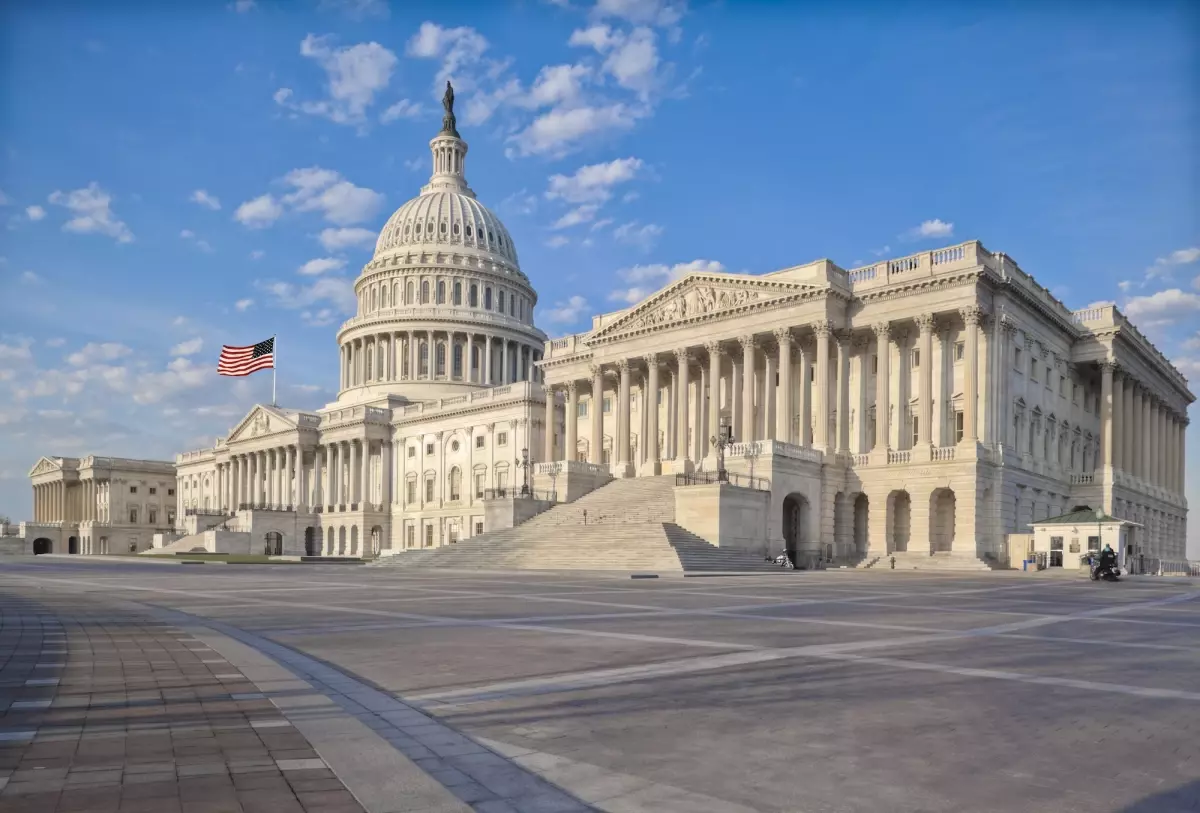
(522, 463)
(724, 438)
(553, 470)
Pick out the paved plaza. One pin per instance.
(161, 687)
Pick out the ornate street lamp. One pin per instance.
(724, 438)
(522, 463)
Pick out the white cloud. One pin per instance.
(30, 278)
(313, 189)
(257, 254)
(259, 212)
(179, 321)
(338, 239)
(567, 311)
(460, 49)
(1125, 285)
(319, 318)
(662, 13)
(243, 304)
(358, 9)
(338, 292)
(182, 374)
(91, 207)
(16, 352)
(561, 130)
(593, 183)
(557, 241)
(57, 341)
(1163, 265)
(403, 109)
(580, 214)
(189, 348)
(206, 200)
(643, 237)
(600, 224)
(243, 6)
(1163, 307)
(93, 352)
(519, 203)
(320, 266)
(648, 278)
(188, 234)
(557, 84)
(931, 228)
(1189, 367)
(355, 74)
(35, 213)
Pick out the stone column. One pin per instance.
(1118, 421)
(290, 481)
(1160, 445)
(548, 425)
(766, 397)
(784, 408)
(571, 443)
(487, 359)
(318, 485)
(596, 445)
(652, 454)
(735, 397)
(748, 361)
(882, 386)
(713, 427)
(624, 467)
(1147, 456)
(504, 376)
(333, 493)
(683, 361)
(1107, 436)
(821, 432)
(971, 316)
(1128, 426)
(842, 376)
(925, 326)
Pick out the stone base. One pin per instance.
(651, 468)
(678, 466)
(725, 516)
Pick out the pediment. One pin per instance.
(46, 465)
(262, 420)
(700, 297)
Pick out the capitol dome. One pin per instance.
(443, 305)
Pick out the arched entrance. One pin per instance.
(42, 545)
(354, 540)
(899, 521)
(795, 525)
(342, 541)
(72, 544)
(941, 520)
(376, 540)
(330, 540)
(273, 543)
(311, 546)
(862, 514)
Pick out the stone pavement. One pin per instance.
(782, 693)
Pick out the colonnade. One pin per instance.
(71, 502)
(768, 393)
(330, 476)
(1141, 434)
(437, 355)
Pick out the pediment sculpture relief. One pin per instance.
(261, 425)
(693, 302)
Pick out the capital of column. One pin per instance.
(1007, 324)
(1109, 366)
(683, 355)
(844, 337)
(622, 366)
(926, 323)
(972, 314)
(783, 335)
(883, 330)
(747, 342)
(572, 387)
(713, 348)
(596, 370)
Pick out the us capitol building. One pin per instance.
(925, 406)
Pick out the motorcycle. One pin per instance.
(783, 561)
(1109, 573)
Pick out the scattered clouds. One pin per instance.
(57, 341)
(461, 52)
(243, 6)
(646, 279)
(257, 254)
(206, 200)
(519, 203)
(321, 265)
(313, 189)
(1164, 265)
(663, 13)
(1163, 307)
(930, 229)
(557, 241)
(35, 213)
(633, 234)
(337, 292)
(319, 318)
(16, 352)
(403, 109)
(562, 130)
(593, 183)
(93, 352)
(92, 210)
(568, 311)
(243, 305)
(354, 74)
(189, 235)
(631, 58)
(30, 278)
(189, 348)
(338, 239)
(580, 214)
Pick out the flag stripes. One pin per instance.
(238, 361)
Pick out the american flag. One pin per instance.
(246, 360)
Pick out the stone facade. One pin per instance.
(99, 504)
(929, 404)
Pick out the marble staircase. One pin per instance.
(941, 562)
(629, 525)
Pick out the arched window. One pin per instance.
(512, 306)
(474, 357)
(458, 293)
(473, 296)
(441, 359)
(455, 484)
(521, 308)
(458, 358)
(409, 298)
(374, 298)
(425, 292)
(500, 301)
(370, 362)
(383, 297)
(441, 292)
(423, 360)
(395, 294)
(487, 298)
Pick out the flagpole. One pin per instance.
(274, 366)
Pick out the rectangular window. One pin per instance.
(412, 451)
(660, 392)
(607, 406)
(153, 516)
(478, 527)
(153, 490)
(502, 480)
(1056, 543)
(1017, 361)
(170, 492)
(410, 536)
(479, 480)
(133, 489)
(583, 409)
(428, 489)
(410, 492)
(1033, 369)
(1074, 393)
(1048, 374)
(428, 448)
(429, 536)
(133, 516)
(915, 360)
(1093, 543)
(960, 351)
(501, 438)
(479, 441)
(916, 429)
(958, 427)
(1062, 385)
(171, 519)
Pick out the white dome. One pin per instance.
(443, 219)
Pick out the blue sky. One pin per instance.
(177, 176)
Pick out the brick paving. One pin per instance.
(107, 712)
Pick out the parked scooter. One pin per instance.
(1107, 572)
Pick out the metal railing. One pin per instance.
(519, 494)
(707, 478)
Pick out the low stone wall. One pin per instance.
(508, 512)
(725, 516)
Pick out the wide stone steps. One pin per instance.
(948, 562)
